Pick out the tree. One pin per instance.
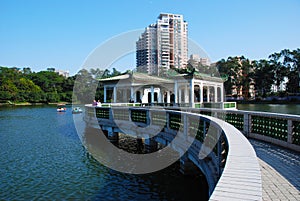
(84, 87)
(263, 76)
(280, 71)
(28, 91)
(97, 73)
(292, 62)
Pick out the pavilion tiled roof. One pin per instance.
(143, 78)
(139, 78)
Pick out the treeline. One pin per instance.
(26, 86)
(23, 85)
(240, 73)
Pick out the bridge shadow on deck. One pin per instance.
(284, 161)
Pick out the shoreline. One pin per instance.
(32, 104)
(277, 102)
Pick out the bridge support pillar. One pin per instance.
(113, 136)
(150, 145)
(187, 167)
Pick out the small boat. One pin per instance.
(61, 108)
(76, 110)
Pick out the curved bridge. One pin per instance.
(218, 149)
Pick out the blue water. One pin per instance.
(42, 158)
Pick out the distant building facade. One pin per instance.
(202, 60)
(282, 86)
(64, 73)
(163, 45)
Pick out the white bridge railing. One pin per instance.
(279, 129)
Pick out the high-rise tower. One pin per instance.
(163, 45)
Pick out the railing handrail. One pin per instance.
(276, 115)
(272, 130)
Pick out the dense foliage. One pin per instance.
(26, 86)
(18, 85)
(241, 72)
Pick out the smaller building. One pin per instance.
(281, 87)
(64, 73)
(202, 60)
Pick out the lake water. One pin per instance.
(42, 158)
(276, 108)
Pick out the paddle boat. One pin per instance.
(76, 110)
(61, 108)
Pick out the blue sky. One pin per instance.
(61, 34)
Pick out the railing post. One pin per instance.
(168, 120)
(148, 117)
(112, 136)
(110, 113)
(129, 115)
(185, 126)
(290, 131)
(247, 124)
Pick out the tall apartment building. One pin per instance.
(163, 45)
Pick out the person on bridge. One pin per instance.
(99, 103)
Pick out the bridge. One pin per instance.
(214, 141)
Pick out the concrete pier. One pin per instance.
(187, 167)
(151, 145)
(113, 136)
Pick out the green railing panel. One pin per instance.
(212, 105)
(197, 105)
(196, 129)
(208, 113)
(121, 114)
(90, 111)
(211, 138)
(102, 113)
(229, 105)
(296, 133)
(159, 118)
(237, 120)
(139, 116)
(175, 121)
(270, 126)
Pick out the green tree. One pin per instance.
(263, 76)
(84, 87)
(292, 62)
(280, 70)
(8, 79)
(28, 91)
